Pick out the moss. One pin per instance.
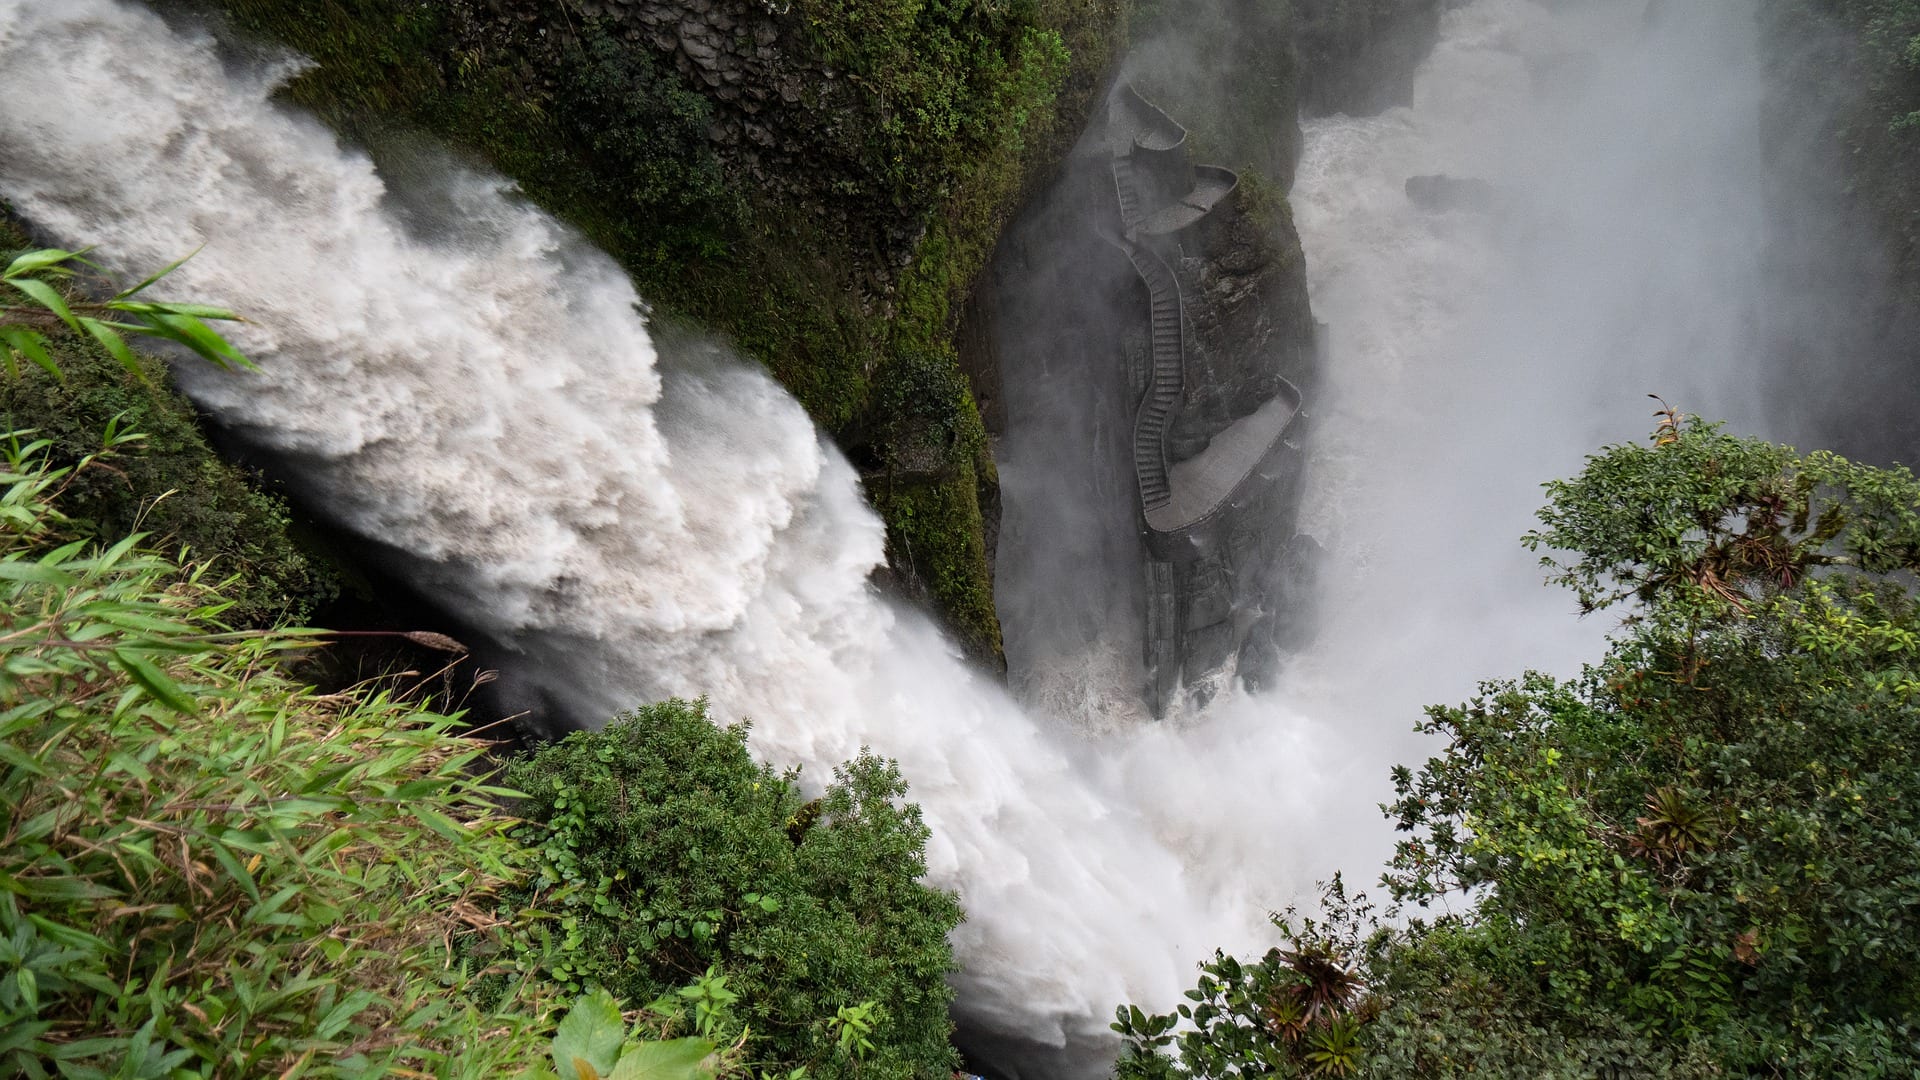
(935, 533)
(929, 482)
(172, 486)
(949, 113)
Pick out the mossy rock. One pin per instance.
(170, 485)
(604, 124)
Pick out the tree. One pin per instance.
(1702, 856)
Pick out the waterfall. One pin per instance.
(453, 375)
(458, 378)
(1480, 350)
(1613, 248)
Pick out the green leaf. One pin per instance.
(591, 1033)
(29, 985)
(28, 262)
(55, 888)
(158, 274)
(15, 570)
(134, 620)
(438, 822)
(196, 335)
(47, 296)
(32, 346)
(121, 761)
(223, 855)
(110, 339)
(18, 1036)
(340, 1015)
(198, 311)
(155, 682)
(674, 1059)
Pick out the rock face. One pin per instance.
(1442, 193)
(818, 182)
(1360, 56)
(783, 118)
(1186, 342)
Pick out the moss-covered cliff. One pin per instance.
(171, 485)
(818, 181)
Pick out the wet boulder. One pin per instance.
(1439, 192)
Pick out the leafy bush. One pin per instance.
(1297, 1011)
(665, 851)
(1699, 858)
(207, 870)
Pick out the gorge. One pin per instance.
(618, 511)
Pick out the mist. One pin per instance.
(1479, 352)
(1472, 352)
(484, 396)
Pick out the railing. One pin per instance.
(1166, 379)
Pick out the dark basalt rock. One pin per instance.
(1440, 193)
(1156, 339)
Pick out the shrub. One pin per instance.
(665, 851)
(1698, 858)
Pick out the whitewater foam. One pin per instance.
(484, 397)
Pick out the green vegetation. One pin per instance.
(938, 85)
(668, 856)
(177, 490)
(1696, 859)
(206, 869)
(1859, 60)
(1887, 131)
(1890, 37)
(210, 870)
(934, 475)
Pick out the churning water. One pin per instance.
(456, 378)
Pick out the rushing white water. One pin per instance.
(1474, 354)
(459, 379)
(1477, 354)
(479, 391)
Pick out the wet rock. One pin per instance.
(1439, 193)
(695, 46)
